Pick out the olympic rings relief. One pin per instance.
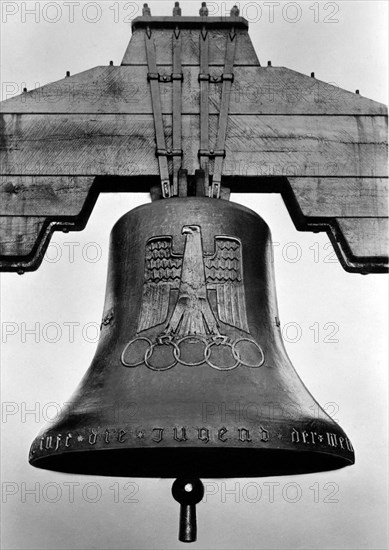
(243, 351)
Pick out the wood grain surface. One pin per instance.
(323, 148)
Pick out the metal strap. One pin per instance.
(153, 78)
(177, 106)
(228, 78)
(204, 104)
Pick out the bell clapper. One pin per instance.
(188, 492)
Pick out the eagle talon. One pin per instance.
(164, 338)
(220, 339)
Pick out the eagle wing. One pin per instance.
(224, 273)
(162, 274)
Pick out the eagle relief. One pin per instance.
(192, 331)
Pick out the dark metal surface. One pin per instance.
(177, 76)
(190, 377)
(188, 492)
(204, 103)
(153, 77)
(227, 78)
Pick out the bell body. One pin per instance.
(190, 376)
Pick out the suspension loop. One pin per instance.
(204, 106)
(227, 78)
(205, 153)
(177, 78)
(154, 78)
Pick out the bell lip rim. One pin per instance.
(339, 461)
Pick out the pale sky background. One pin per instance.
(345, 509)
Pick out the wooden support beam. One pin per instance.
(323, 148)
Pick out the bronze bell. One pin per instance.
(190, 329)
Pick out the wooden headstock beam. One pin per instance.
(323, 148)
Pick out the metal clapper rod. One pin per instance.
(188, 492)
